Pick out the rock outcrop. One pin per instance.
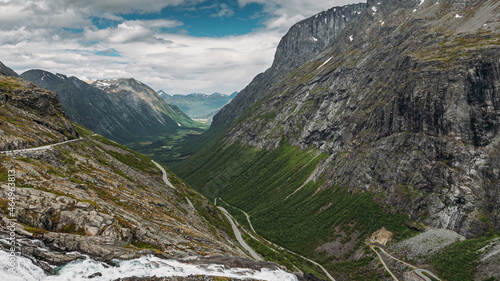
(30, 110)
(91, 196)
(382, 236)
(304, 41)
(405, 102)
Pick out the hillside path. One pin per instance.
(276, 245)
(44, 147)
(165, 175)
(418, 271)
(237, 233)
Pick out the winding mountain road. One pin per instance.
(237, 233)
(275, 245)
(44, 147)
(165, 175)
(383, 263)
(419, 271)
(245, 213)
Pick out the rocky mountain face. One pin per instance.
(134, 92)
(304, 41)
(7, 71)
(407, 98)
(400, 104)
(198, 106)
(124, 110)
(92, 196)
(28, 109)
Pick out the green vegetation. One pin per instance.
(9, 83)
(174, 147)
(35, 230)
(458, 261)
(164, 147)
(272, 187)
(204, 208)
(221, 278)
(289, 260)
(453, 48)
(4, 174)
(71, 228)
(130, 157)
(142, 245)
(355, 270)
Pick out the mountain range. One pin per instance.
(124, 110)
(198, 106)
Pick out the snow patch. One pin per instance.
(457, 16)
(102, 85)
(374, 9)
(421, 2)
(324, 63)
(351, 38)
(314, 39)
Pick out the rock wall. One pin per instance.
(304, 41)
(405, 101)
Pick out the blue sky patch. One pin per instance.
(206, 19)
(108, 53)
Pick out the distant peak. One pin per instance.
(7, 71)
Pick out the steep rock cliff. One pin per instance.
(304, 41)
(405, 102)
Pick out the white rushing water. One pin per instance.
(144, 266)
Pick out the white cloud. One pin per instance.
(283, 22)
(32, 36)
(287, 12)
(223, 10)
(130, 31)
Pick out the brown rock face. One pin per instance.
(382, 236)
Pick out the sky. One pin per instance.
(178, 46)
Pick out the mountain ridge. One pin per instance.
(295, 48)
(122, 117)
(354, 132)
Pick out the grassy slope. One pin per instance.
(259, 181)
(144, 164)
(459, 261)
(168, 149)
